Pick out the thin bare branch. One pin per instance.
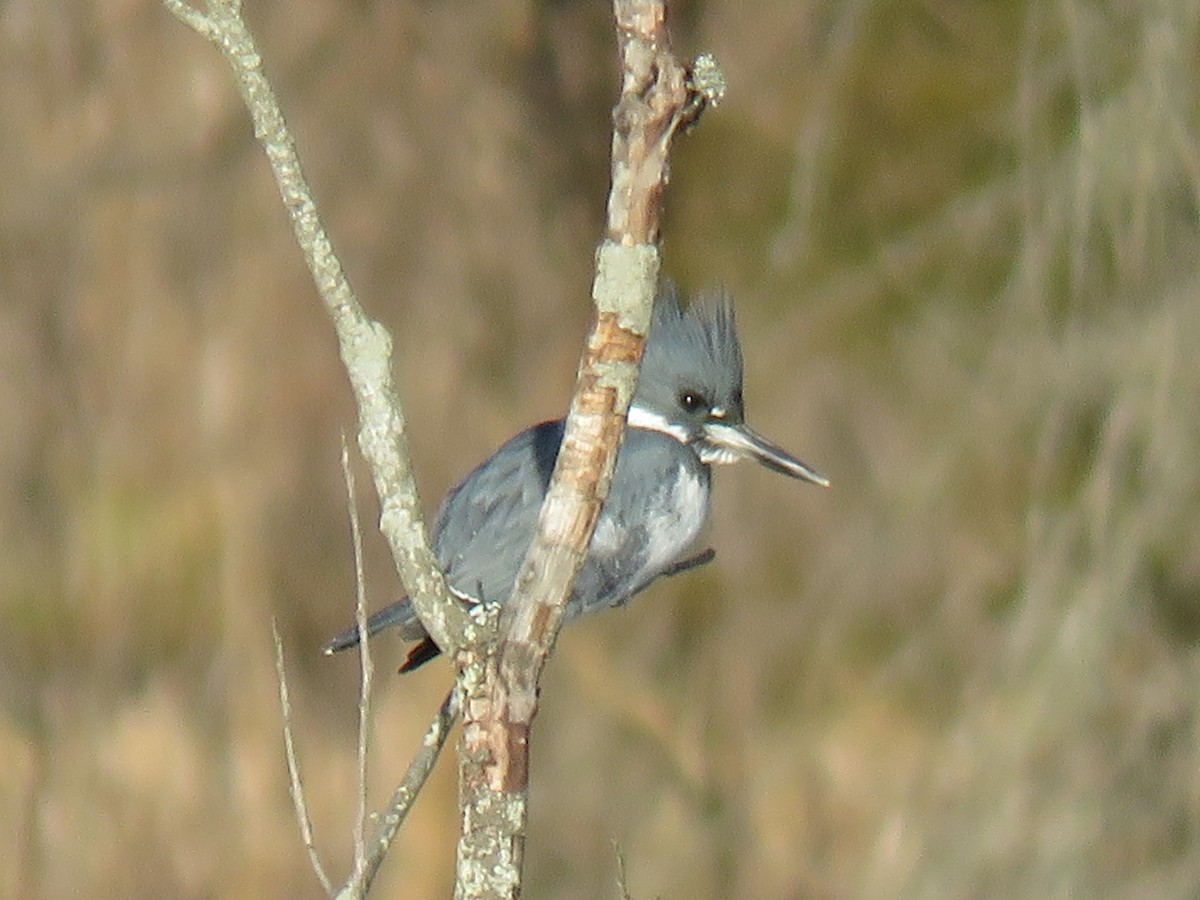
(365, 345)
(403, 797)
(296, 786)
(367, 669)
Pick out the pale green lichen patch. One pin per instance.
(624, 275)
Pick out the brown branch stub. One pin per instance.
(659, 96)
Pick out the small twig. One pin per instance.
(364, 655)
(403, 797)
(295, 787)
(622, 875)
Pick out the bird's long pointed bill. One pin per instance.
(733, 442)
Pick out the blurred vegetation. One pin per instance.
(964, 241)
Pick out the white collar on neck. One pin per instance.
(640, 417)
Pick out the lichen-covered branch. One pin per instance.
(365, 346)
(658, 97)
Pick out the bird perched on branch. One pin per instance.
(686, 415)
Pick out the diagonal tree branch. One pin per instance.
(402, 799)
(658, 97)
(366, 349)
(364, 344)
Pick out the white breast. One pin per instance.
(673, 529)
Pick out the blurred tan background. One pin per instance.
(963, 238)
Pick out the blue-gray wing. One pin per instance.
(486, 523)
(481, 532)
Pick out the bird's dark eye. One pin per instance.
(693, 401)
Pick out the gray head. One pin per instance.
(691, 385)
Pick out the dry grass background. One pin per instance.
(964, 242)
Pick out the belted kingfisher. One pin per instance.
(686, 414)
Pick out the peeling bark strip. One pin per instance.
(658, 97)
(654, 96)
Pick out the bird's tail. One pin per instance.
(397, 614)
(401, 613)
